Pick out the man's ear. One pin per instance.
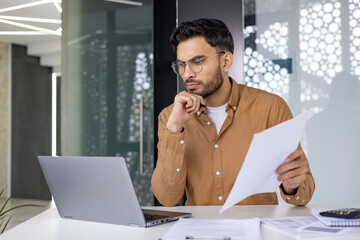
(227, 62)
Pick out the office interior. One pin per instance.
(89, 78)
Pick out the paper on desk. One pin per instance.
(308, 226)
(214, 229)
(268, 150)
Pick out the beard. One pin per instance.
(208, 88)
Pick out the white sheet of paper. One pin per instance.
(268, 150)
(188, 228)
(308, 227)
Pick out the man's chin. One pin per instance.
(193, 91)
(197, 93)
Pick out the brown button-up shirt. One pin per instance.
(206, 164)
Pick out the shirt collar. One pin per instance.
(234, 96)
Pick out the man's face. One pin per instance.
(210, 79)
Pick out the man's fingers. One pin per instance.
(294, 182)
(184, 93)
(294, 155)
(291, 165)
(191, 101)
(293, 174)
(196, 106)
(185, 106)
(186, 101)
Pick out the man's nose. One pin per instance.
(188, 73)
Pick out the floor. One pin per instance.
(22, 214)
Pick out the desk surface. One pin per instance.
(50, 226)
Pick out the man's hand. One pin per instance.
(293, 172)
(185, 106)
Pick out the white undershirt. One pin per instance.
(217, 115)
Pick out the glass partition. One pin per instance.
(109, 85)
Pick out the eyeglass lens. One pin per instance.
(195, 65)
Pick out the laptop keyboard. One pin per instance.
(152, 217)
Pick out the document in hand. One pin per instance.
(268, 150)
(214, 229)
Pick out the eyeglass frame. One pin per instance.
(173, 64)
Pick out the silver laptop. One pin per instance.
(98, 189)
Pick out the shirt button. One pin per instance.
(181, 141)
(216, 146)
(234, 108)
(297, 197)
(198, 113)
(220, 198)
(178, 169)
(217, 173)
(208, 123)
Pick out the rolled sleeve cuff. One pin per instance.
(300, 198)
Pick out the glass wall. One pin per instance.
(308, 52)
(108, 87)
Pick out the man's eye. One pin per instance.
(196, 61)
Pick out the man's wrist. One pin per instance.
(173, 127)
(291, 191)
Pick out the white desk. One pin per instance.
(49, 226)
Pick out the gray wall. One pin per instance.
(31, 124)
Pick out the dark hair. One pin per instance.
(214, 31)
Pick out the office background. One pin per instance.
(115, 78)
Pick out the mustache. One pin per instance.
(192, 81)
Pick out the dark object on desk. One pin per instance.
(347, 213)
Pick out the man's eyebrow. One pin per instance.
(197, 57)
(193, 58)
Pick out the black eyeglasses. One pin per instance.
(194, 64)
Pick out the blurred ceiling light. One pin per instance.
(29, 19)
(40, 30)
(126, 2)
(59, 30)
(57, 5)
(44, 30)
(21, 33)
(26, 5)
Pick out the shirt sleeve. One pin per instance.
(303, 194)
(280, 113)
(169, 177)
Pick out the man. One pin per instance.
(205, 134)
